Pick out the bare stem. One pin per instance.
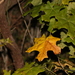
(25, 35)
(62, 67)
(50, 71)
(24, 20)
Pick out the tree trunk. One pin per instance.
(6, 33)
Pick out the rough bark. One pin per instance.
(6, 33)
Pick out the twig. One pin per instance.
(50, 71)
(68, 62)
(15, 22)
(25, 35)
(27, 29)
(62, 66)
(7, 12)
(5, 58)
(23, 17)
(1, 1)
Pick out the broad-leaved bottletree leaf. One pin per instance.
(43, 45)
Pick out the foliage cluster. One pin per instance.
(59, 16)
(28, 69)
(4, 42)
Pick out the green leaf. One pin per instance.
(51, 24)
(73, 11)
(70, 40)
(63, 36)
(73, 68)
(28, 2)
(71, 6)
(60, 20)
(73, 56)
(57, 1)
(35, 70)
(24, 70)
(50, 10)
(65, 1)
(34, 11)
(7, 72)
(36, 2)
(72, 50)
(26, 13)
(67, 22)
(62, 45)
(29, 69)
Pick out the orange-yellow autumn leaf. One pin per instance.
(43, 45)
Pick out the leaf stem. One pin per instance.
(69, 62)
(50, 71)
(62, 66)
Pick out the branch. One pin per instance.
(24, 20)
(15, 52)
(25, 35)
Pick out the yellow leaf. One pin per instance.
(43, 45)
(65, 1)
